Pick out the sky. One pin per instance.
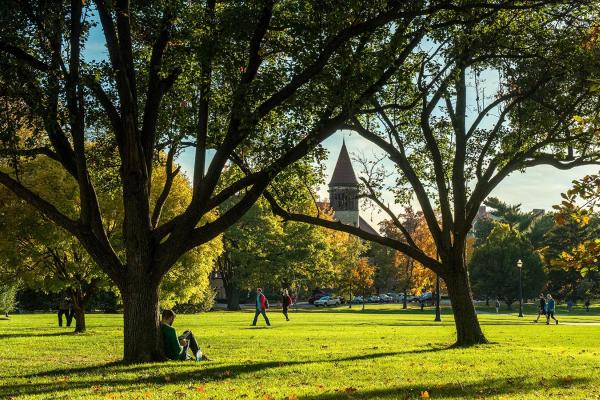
(539, 187)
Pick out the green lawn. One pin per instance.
(385, 353)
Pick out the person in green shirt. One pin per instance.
(550, 309)
(176, 347)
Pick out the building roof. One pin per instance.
(343, 174)
(364, 226)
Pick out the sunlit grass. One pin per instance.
(384, 352)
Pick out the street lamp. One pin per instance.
(520, 266)
(438, 314)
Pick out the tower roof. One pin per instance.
(343, 174)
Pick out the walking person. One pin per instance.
(542, 308)
(587, 305)
(261, 307)
(570, 305)
(497, 305)
(550, 303)
(70, 313)
(286, 302)
(64, 308)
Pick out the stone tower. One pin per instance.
(343, 190)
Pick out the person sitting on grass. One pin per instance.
(550, 309)
(176, 348)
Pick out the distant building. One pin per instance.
(343, 194)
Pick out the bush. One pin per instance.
(204, 303)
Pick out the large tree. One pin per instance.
(44, 257)
(261, 81)
(452, 145)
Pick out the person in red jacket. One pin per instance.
(261, 307)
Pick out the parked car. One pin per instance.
(396, 297)
(374, 299)
(326, 301)
(384, 298)
(317, 296)
(427, 296)
(357, 300)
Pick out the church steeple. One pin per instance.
(343, 190)
(343, 174)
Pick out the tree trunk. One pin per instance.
(79, 319)
(405, 300)
(142, 341)
(487, 301)
(79, 303)
(468, 331)
(233, 297)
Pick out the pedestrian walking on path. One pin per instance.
(542, 308)
(550, 309)
(286, 302)
(587, 305)
(497, 305)
(261, 307)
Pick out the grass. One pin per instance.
(382, 353)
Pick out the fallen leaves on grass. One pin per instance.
(348, 390)
(200, 389)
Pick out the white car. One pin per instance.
(326, 301)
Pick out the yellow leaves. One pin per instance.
(267, 396)
(425, 394)
(292, 397)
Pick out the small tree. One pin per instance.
(494, 271)
(8, 298)
(362, 275)
(577, 209)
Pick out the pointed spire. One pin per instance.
(343, 174)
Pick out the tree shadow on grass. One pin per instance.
(28, 335)
(478, 389)
(188, 373)
(178, 373)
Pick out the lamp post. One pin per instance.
(438, 314)
(520, 266)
